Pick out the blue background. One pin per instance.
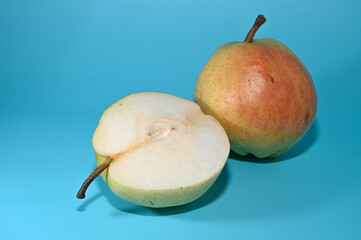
(63, 62)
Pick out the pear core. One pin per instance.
(164, 150)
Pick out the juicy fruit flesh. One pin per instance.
(158, 159)
(159, 142)
(261, 94)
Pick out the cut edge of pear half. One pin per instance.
(159, 150)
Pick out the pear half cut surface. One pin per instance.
(159, 150)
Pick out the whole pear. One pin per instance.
(260, 92)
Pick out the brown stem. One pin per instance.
(93, 175)
(259, 21)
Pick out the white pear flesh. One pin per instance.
(164, 150)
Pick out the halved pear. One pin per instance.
(158, 150)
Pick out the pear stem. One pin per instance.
(92, 176)
(259, 21)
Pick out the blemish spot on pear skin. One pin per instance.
(272, 79)
(151, 203)
(307, 116)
